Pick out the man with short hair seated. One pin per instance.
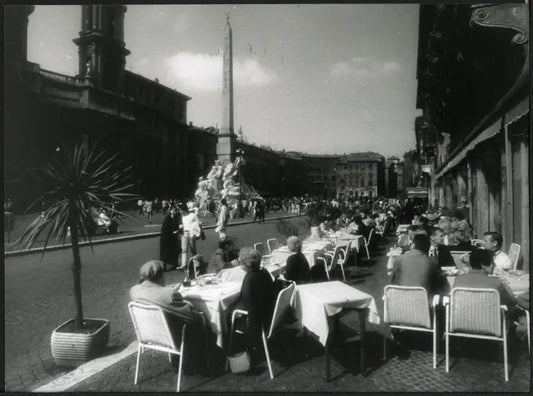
(493, 243)
(415, 267)
(438, 250)
(151, 290)
(481, 263)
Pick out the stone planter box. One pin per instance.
(72, 348)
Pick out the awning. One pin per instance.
(511, 116)
(416, 192)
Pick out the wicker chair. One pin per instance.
(514, 254)
(475, 313)
(260, 247)
(281, 309)
(272, 244)
(153, 332)
(408, 308)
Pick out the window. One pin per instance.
(370, 183)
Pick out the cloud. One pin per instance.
(358, 67)
(203, 72)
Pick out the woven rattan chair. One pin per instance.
(408, 308)
(514, 254)
(272, 244)
(281, 309)
(153, 332)
(260, 247)
(475, 313)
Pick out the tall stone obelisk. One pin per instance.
(226, 138)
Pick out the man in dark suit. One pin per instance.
(170, 240)
(415, 267)
(439, 252)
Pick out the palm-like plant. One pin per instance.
(79, 180)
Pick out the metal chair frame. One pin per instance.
(272, 244)
(167, 342)
(274, 324)
(432, 329)
(367, 243)
(514, 253)
(448, 303)
(260, 247)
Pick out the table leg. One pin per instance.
(362, 326)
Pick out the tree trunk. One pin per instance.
(76, 272)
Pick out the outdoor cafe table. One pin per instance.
(214, 299)
(309, 249)
(342, 238)
(517, 280)
(316, 303)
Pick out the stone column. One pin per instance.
(226, 138)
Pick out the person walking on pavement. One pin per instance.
(149, 208)
(191, 232)
(170, 246)
(223, 217)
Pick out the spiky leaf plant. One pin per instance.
(80, 179)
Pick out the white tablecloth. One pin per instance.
(280, 255)
(518, 283)
(402, 228)
(213, 301)
(343, 239)
(314, 302)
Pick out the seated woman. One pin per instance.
(151, 290)
(224, 255)
(256, 297)
(297, 265)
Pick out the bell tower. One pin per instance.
(102, 52)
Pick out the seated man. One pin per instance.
(438, 251)
(415, 267)
(493, 243)
(481, 263)
(151, 290)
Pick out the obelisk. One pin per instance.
(226, 137)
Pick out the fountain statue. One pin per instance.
(223, 181)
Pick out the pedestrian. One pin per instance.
(164, 207)
(170, 240)
(140, 205)
(191, 232)
(223, 217)
(149, 208)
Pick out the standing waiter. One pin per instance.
(170, 241)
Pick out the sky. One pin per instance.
(315, 78)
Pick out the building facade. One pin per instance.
(473, 136)
(360, 175)
(320, 174)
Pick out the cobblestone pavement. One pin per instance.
(476, 365)
(39, 297)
